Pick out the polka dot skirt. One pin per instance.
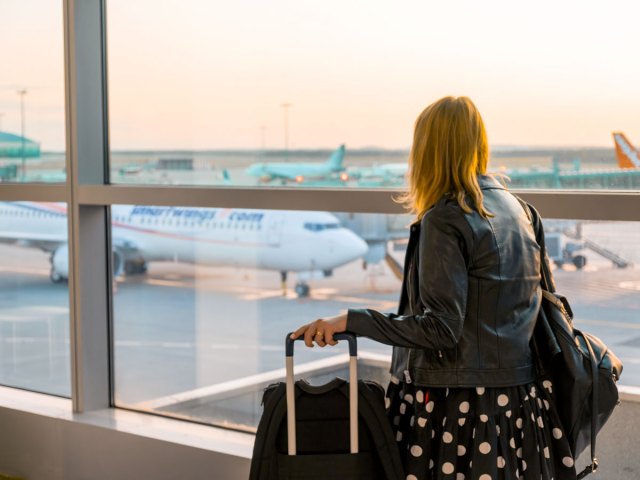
(479, 433)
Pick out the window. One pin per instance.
(34, 304)
(32, 118)
(257, 94)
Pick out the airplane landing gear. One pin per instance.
(302, 289)
(283, 283)
(135, 267)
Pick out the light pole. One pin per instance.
(286, 106)
(22, 93)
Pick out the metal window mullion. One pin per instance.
(88, 225)
(579, 205)
(33, 192)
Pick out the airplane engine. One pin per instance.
(60, 264)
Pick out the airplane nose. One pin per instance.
(356, 247)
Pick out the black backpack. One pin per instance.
(582, 369)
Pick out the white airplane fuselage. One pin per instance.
(286, 241)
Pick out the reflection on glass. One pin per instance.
(32, 123)
(201, 312)
(34, 300)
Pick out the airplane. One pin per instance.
(284, 241)
(627, 155)
(299, 172)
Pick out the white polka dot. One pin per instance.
(484, 418)
(464, 407)
(539, 402)
(519, 423)
(399, 436)
(568, 461)
(498, 429)
(461, 421)
(387, 403)
(396, 420)
(412, 477)
(480, 390)
(412, 420)
(419, 396)
(394, 380)
(533, 392)
(512, 443)
(547, 384)
(540, 422)
(446, 393)
(408, 398)
(422, 421)
(546, 452)
(447, 437)
(473, 433)
(403, 408)
(460, 476)
(524, 465)
(461, 450)
(501, 462)
(508, 413)
(471, 464)
(430, 406)
(485, 447)
(416, 450)
(430, 464)
(557, 433)
(447, 468)
(533, 417)
(485, 476)
(444, 420)
(546, 405)
(433, 433)
(519, 452)
(503, 400)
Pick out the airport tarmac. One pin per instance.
(181, 327)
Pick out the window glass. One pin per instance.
(325, 94)
(201, 314)
(32, 119)
(34, 298)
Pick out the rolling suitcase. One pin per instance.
(338, 430)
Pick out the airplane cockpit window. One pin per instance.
(318, 227)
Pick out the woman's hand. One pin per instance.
(321, 331)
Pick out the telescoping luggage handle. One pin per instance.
(353, 391)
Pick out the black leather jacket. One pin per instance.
(470, 297)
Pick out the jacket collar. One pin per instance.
(488, 182)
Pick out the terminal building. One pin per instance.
(201, 179)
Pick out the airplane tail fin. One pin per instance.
(625, 153)
(336, 158)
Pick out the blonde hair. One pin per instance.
(450, 148)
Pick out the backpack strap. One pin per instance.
(594, 413)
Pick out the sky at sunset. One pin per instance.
(205, 74)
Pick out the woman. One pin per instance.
(463, 400)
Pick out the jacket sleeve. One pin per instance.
(443, 260)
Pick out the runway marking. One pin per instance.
(28, 271)
(630, 285)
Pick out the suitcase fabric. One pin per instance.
(325, 445)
